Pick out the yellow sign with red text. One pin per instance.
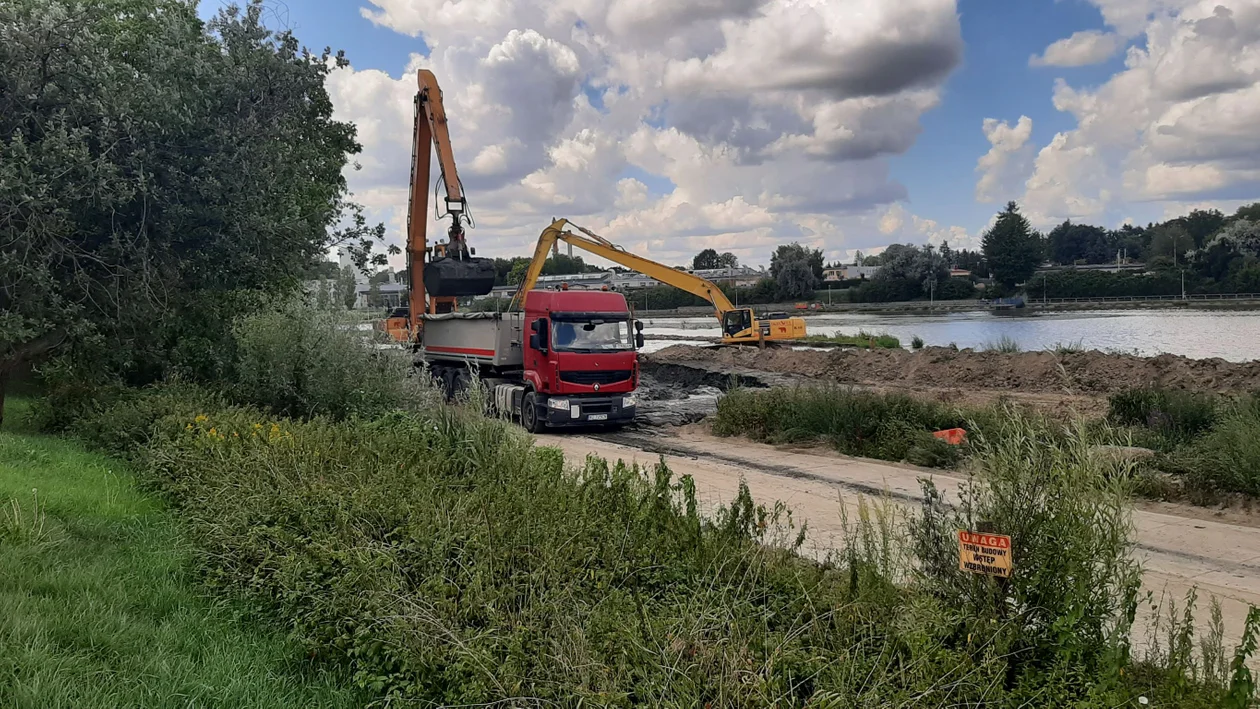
(983, 553)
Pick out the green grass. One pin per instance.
(1070, 347)
(862, 339)
(1005, 343)
(874, 425)
(97, 604)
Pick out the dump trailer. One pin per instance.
(569, 358)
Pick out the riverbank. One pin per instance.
(1052, 305)
(98, 604)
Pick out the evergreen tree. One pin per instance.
(1011, 247)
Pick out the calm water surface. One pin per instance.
(1231, 335)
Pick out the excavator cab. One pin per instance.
(736, 321)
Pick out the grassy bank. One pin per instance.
(861, 339)
(443, 559)
(97, 604)
(1204, 445)
(1207, 445)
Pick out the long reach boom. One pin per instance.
(739, 325)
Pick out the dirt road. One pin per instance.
(1178, 553)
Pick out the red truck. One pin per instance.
(569, 359)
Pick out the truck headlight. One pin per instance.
(628, 401)
(558, 404)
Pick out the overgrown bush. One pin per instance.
(1174, 416)
(444, 559)
(1227, 457)
(1066, 510)
(862, 423)
(299, 360)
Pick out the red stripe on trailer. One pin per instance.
(462, 350)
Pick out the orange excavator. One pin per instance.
(440, 274)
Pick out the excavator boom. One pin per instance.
(436, 282)
(739, 325)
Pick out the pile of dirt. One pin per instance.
(1082, 373)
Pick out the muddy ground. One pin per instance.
(1067, 383)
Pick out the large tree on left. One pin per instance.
(159, 175)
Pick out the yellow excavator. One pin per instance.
(739, 325)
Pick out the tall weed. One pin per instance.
(1175, 416)
(300, 360)
(1072, 599)
(861, 423)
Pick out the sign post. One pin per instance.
(984, 553)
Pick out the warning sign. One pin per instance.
(982, 553)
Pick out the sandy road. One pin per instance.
(1177, 553)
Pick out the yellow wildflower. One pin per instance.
(201, 418)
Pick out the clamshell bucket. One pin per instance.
(451, 278)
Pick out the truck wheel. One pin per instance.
(529, 414)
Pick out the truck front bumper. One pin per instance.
(588, 411)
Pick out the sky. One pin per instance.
(671, 126)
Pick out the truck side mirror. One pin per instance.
(638, 325)
(539, 339)
(638, 340)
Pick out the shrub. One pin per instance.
(1005, 343)
(1175, 416)
(861, 339)
(862, 423)
(1227, 457)
(1072, 603)
(916, 343)
(298, 360)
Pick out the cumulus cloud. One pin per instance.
(1007, 163)
(1081, 49)
(1176, 124)
(754, 121)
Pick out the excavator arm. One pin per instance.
(738, 324)
(460, 274)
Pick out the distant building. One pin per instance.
(959, 273)
(383, 295)
(741, 276)
(849, 273)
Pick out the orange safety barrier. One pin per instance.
(952, 436)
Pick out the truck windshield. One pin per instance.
(591, 336)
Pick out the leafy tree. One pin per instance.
(726, 259)
(157, 176)
(1169, 244)
(1069, 243)
(1250, 212)
(947, 254)
(1011, 248)
(912, 263)
(518, 272)
(705, 260)
(972, 261)
(857, 258)
(346, 286)
(795, 280)
(1235, 248)
(787, 253)
(1201, 224)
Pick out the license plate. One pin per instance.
(598, 417)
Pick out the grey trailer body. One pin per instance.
(489, 340)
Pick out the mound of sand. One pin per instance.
(940, 367)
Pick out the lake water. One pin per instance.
(1230, 335)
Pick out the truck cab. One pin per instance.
(580, 363)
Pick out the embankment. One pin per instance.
(1075, 373)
